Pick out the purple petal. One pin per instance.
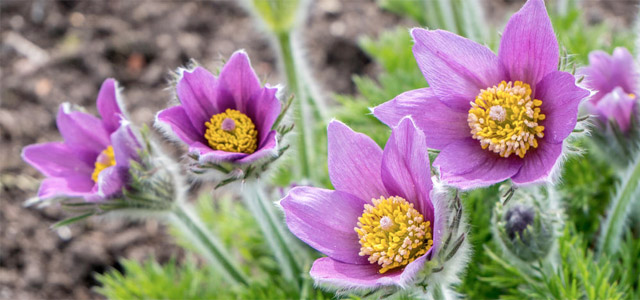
(263, 108)
(405, 167)
(328, 271)
(440, 123)
(560, 100)
(81, 130)
(238, 78)
(111, 181)
(325, 220)
(71, 186)
(207, 154)
(619, 107)
(440, 208)
(125, 146)
(529, 49)
(108, 105)
(606, 72)
(355, 162)
(455, 67)
(465, 165)
(538, 163)
(58, 160)
(268, 148)
(197, 93)
(178, 121)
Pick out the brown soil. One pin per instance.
(57, 51)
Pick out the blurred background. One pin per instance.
(58, 51)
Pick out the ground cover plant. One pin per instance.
(482, 162)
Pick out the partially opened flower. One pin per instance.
(615, 79)
(493, 117)
(93, 160)
(224, 119)
(382, 222)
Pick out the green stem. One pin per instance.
(271, 226)
(211, 248)
(622, 204)
(301, 113)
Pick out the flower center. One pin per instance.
(393, 233)
(504, 118)
(632, 95)
(105, 159)
(232, 131)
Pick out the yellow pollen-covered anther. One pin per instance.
(505, 119)
(393, 233)
(232, 131)
(105, 159)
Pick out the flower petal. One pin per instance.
(238, 78)
(111, 181)
(81, 130)
(618, 107)
(109, 106)
(538, 164)
(455, 67)
(58, 160)
(606, 72)
(178, 123)
(263, 108)
(529, 49)
(440, 218)
(355, 162)
(335, 273)
(465, 165)
(206, 154)
(560, 100)
(325, 220)
(268, 148)
(406, 171)
(125, 146)
(71, 186)
(197, 93)
(440, 123)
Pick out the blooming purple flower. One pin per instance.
(381, 223)
(224, 119)
(492, 117)
(615, 79)
(93, 161)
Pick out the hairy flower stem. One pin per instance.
(264, 212)
(210, 247)
(303, 115)
(622, 204)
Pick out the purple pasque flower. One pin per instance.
(381, 223)
(493, 117)
(93, 161)
(226, 118)
(615, 78)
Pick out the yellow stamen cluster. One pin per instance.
(504, 118)
(393, 233)
(232, 131)
(105, 159)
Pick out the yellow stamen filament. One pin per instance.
(505, 119)
(231, 131)
(632, 95)
(105, 159)
(393, 233)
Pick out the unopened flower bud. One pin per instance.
(524, 231)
